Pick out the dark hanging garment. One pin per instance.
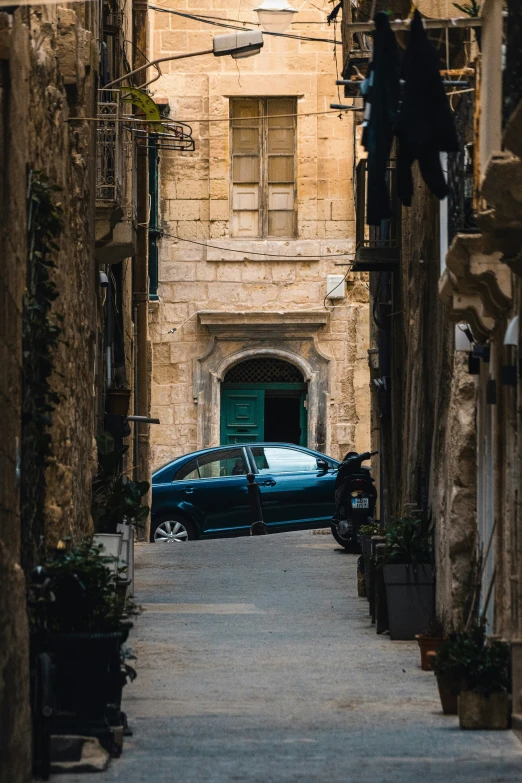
(381, 102)
(425, 125)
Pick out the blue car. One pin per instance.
(205, 495)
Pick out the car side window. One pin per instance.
(271, 459)
(222, 464)
(188, 472)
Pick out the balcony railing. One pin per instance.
(110, 168)
(377, 248)
(461, 202)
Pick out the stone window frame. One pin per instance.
(262, 182)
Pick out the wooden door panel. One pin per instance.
(242, 415)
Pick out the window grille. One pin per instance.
(263, 140)
(264, 370)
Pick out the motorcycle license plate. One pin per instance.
(360, 503)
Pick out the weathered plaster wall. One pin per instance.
(14, 683)
(45, 96)
(429, 437)
(48, 76)
(195, 206)
(453, 496)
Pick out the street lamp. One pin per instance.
(242, 44)
(275, 15)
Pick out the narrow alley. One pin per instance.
(257, 662)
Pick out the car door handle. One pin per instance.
(267, 483)
(189, 490)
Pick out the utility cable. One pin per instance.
(281, 256)
(131, 118)
(234, 25)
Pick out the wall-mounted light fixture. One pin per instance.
(508, 371)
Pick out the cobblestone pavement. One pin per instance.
(257, 663)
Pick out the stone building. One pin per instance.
(444, 352)
(255, 225)
(69, 215)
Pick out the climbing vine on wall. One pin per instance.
(41, 329)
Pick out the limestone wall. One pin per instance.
(48, 73)
(200, 268)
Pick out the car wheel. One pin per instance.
(172, 529)
(348, 543)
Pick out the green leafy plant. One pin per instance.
(84, 589)
(434, 629)
(117, 499)
(479, 666)
(407, 541)
(41, 329)
(128, 672)
(470, 9)
(370, 530)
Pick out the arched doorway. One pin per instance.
(264, 399)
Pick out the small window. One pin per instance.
(188, 472)
(270, 459)
(263, 139)
(222, 464)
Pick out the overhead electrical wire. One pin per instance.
(234, 26)
(137, 120)
(281, 257)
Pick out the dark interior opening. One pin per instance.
(282, 419)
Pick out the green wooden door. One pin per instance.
(242, 415)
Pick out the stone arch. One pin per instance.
(211, 368)
(268, 352)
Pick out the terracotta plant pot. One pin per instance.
(428, 644)
(483, 712)
(449, 689)
(117, 402)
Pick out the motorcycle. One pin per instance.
(355, 498)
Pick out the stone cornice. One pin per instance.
(475, 285)
(501, 223)
(272, 323)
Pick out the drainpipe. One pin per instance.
(154, 230)
(140, 271)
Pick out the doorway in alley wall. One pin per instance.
(264, 400)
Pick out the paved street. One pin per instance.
(257, 662)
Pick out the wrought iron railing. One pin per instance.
(376, 247)
(110, 168)
(461, 212)
(174, 136)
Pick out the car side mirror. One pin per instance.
(322, 465)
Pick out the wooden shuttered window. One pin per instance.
(263, 167)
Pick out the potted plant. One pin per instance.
(87, 625)
(117, 401)
(429, 641)
(409, 578)
(474, 679)
(117, 502)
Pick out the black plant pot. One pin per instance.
(410, 594)
(366, 547)
(88, 673)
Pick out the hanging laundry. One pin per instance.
(380, 112)
(425, 125)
